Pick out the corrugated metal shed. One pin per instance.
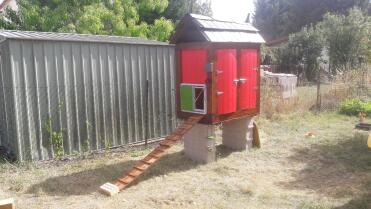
(97, 91)
(51, 36)
(199, 28)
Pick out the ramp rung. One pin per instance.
(142, 166)
(167, 142)
(151, 158)
(157, 153)
(135, 172)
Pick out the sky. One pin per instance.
(232, 10)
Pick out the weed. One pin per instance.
(56, 138)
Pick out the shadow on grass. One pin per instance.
(223, 151)
(341, 169)
(88, 181)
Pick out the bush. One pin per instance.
(354, 106)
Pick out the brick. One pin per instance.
(7, 204)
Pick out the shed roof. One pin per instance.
(195, 27)
(52, 36)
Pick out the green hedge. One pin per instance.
(354, 106)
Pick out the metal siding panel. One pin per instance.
(130, 95)
(69, 97)
(161, 92)
(142, 92)
(149, 113)
(89, 123)
(172, 87)
(16, 62)
(60, 109)
(79, 98)
(153, 96)
(96, 107)
(122, 94)
(10, 136)
(45, 144)
(136, 94)
(167, 90)
(3, 89)
(112, 93)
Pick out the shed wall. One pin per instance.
(98, 95)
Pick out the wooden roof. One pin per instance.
(199, 28)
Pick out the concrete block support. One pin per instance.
(199, 143)
(238, 134)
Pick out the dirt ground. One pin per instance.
(330, 170)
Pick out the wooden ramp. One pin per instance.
(114, 188)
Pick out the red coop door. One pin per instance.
(193, 66)
(248, 78)
(226, 67)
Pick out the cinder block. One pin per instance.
(238, 134)
(199, 143)
(7, 204)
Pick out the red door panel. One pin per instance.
(193, 66)
(248, 71)
(226, 66)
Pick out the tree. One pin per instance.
(277, 18)
(345, 38)
(348, 39)
(178, 8)
(304, 47)
(119, 17)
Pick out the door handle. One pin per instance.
(243, 80)
(219, 72)
(236, 81)
(218, 93)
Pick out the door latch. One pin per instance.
(218, 93)
(243, 80)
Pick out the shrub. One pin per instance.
(354, 106)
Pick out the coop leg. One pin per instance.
(199, 143)
(238, 134)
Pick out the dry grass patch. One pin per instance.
(331, 170)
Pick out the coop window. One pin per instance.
(199, 98)
(193, 98)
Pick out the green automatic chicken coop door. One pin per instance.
(193, 98)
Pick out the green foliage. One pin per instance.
(56, 138)
(178, 8)
(161, 29)
(138, 18)
(120, 17)
(277, 18)
(355, 106)
(304, 47)
(348, 39)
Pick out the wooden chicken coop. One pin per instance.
(217, 69)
